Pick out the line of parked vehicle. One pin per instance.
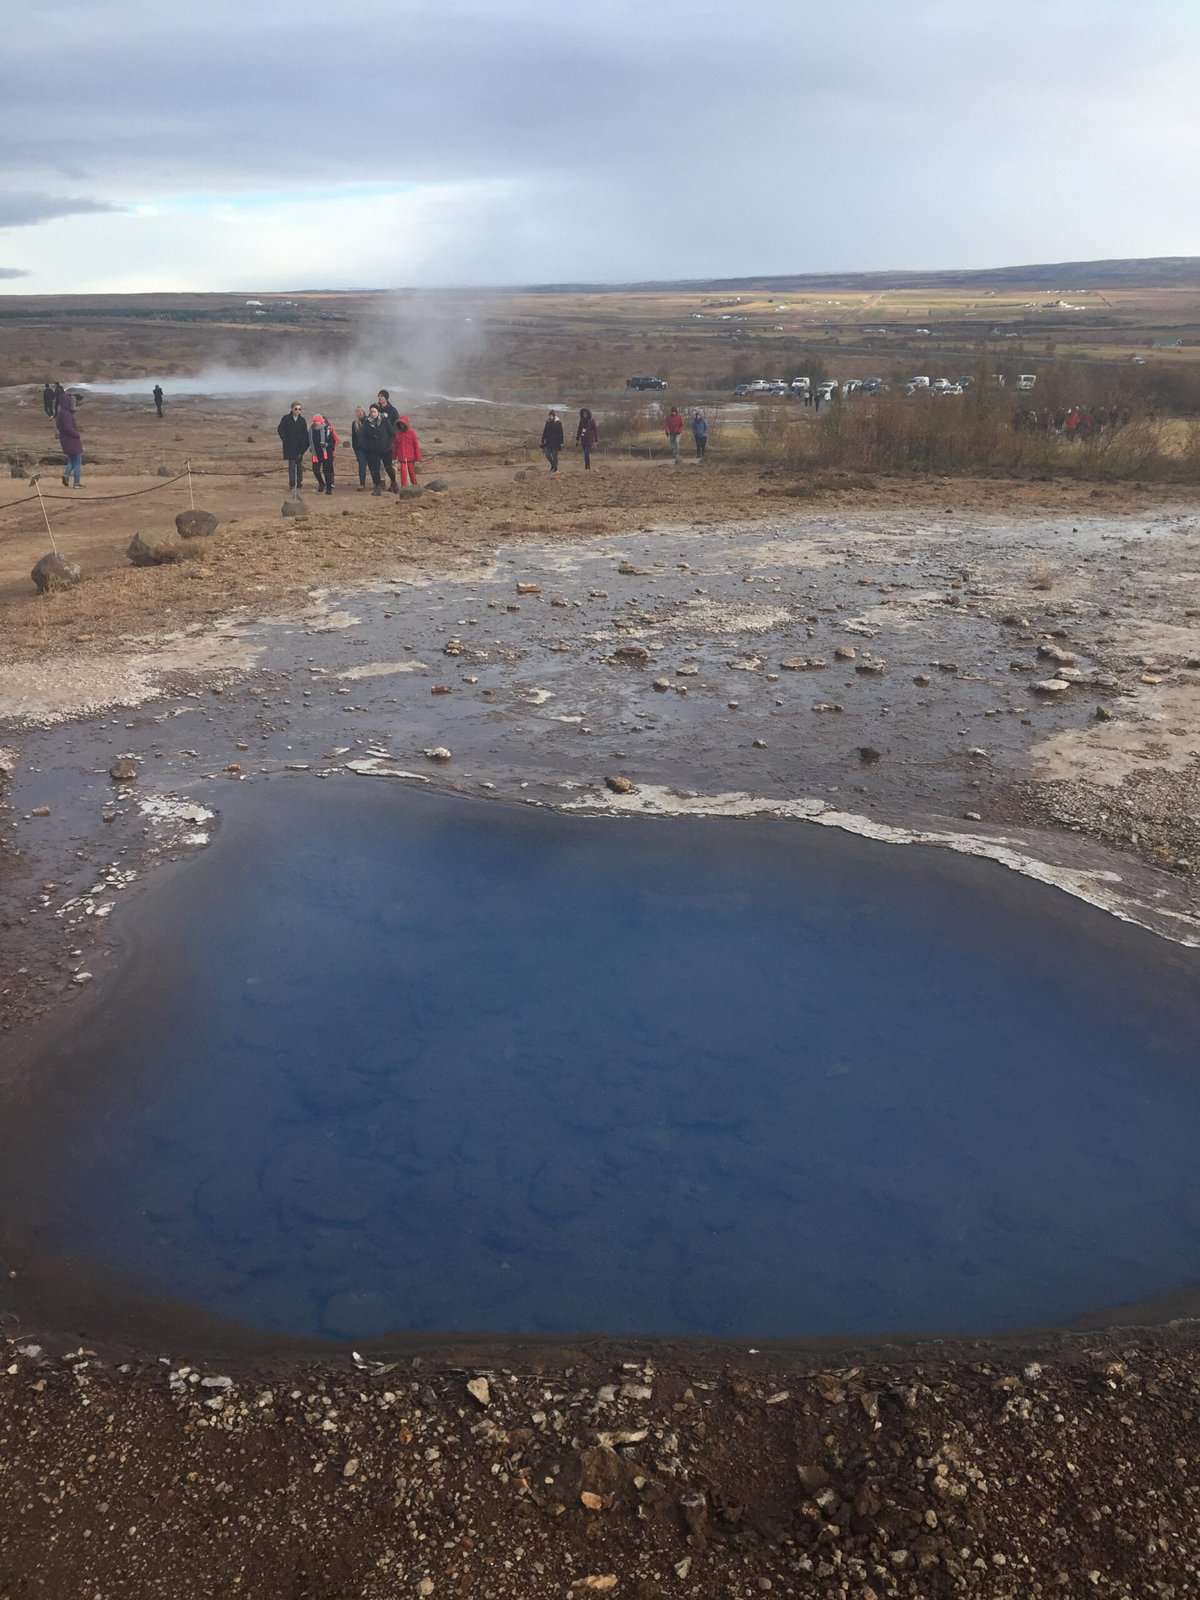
(802, 388)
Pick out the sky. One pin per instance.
(240, 145)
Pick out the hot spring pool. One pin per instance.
(383, 1061)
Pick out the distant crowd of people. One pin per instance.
(384, 443)
(1071, 422)
(587, 435)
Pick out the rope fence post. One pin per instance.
(37, 484)
(191, 496)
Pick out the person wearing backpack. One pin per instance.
(587, 436)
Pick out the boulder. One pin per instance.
(621, 785)
(195, 524)
(157, 549)
(55, 572)
(409, 491)
(293, 506)
(438, 485)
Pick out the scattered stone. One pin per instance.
(1103, 714)
(922, 681)
(1152, 678)
(760, 744)
(1050, 686)
(1052, 652)
(846, 652)
(437, 752)
(40, 811)
(621, 785)
(479, 1389)
(54, 572)
(803, 664)
(437, 485)
(529, 588)
(826, 705)
(195, 524)
(946, 666)
(628, 570)
(81, 978)
(972, 816)
(123, 770)
(661, 685)
(868, 753)
(440, 688)
(293, 506)
(630, 655)
(871, 666)
(597, 1585)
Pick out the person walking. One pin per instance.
(293, 436)
(587, 436)
(700, 433)
(67, 427)
(48, 399)
(356, 444)
(552, 440)
(377, 446)
(406, 451)
(158, 398)
(675, 431)
(59, 396)
(324, 443)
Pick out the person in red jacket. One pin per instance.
(675, 430)
(406, 452)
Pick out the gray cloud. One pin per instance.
(23, 209)
(13, 272)
(637, 141)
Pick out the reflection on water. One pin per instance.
(388, 1061)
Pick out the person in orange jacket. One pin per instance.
(406, 451)
(324, 441)
(675, 430)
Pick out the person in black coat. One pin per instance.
(552, 440)
(48, 400)
(293, 436)
(158, 398)
(376, 438)
(391, 419)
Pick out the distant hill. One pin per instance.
(1149, 272)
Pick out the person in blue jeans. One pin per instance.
(67, 426)
(587, 436)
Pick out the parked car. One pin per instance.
(951, 388)
(919, 382)
(939, 385)
(1026, 381)
(645, 383)
(742, 390)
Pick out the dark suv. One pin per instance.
(645, 383)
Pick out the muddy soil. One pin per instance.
(684, 632)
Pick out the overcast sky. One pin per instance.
(232, 144)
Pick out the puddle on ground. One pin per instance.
(383, 1061)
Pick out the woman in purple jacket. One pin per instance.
(68, 437)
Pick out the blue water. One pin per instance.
(384, 1061)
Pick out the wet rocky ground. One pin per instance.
(878, 672)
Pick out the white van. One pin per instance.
(1026, 381)
(918, 383)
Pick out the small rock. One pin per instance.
(293, 506)
(54, 572)
(620, 785)
(479, 1389)
(803, 664)
(846, 652)
(1103, 714)
(529, 588)
(123, 770)
(972, 816)
(921, 681)
(437, 752)
(1050, 686)
(631, 655)
(871, 667)
(81, 978)
(826, 705)
(760, 744)
(437, 485)
(1151, 678)
(661, 685)
(592, 1502)
(157, 550)
(1061, 658)
(350, 1468)
(195, 524)
(40, 811)
(868, 753)
(425, 1587)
